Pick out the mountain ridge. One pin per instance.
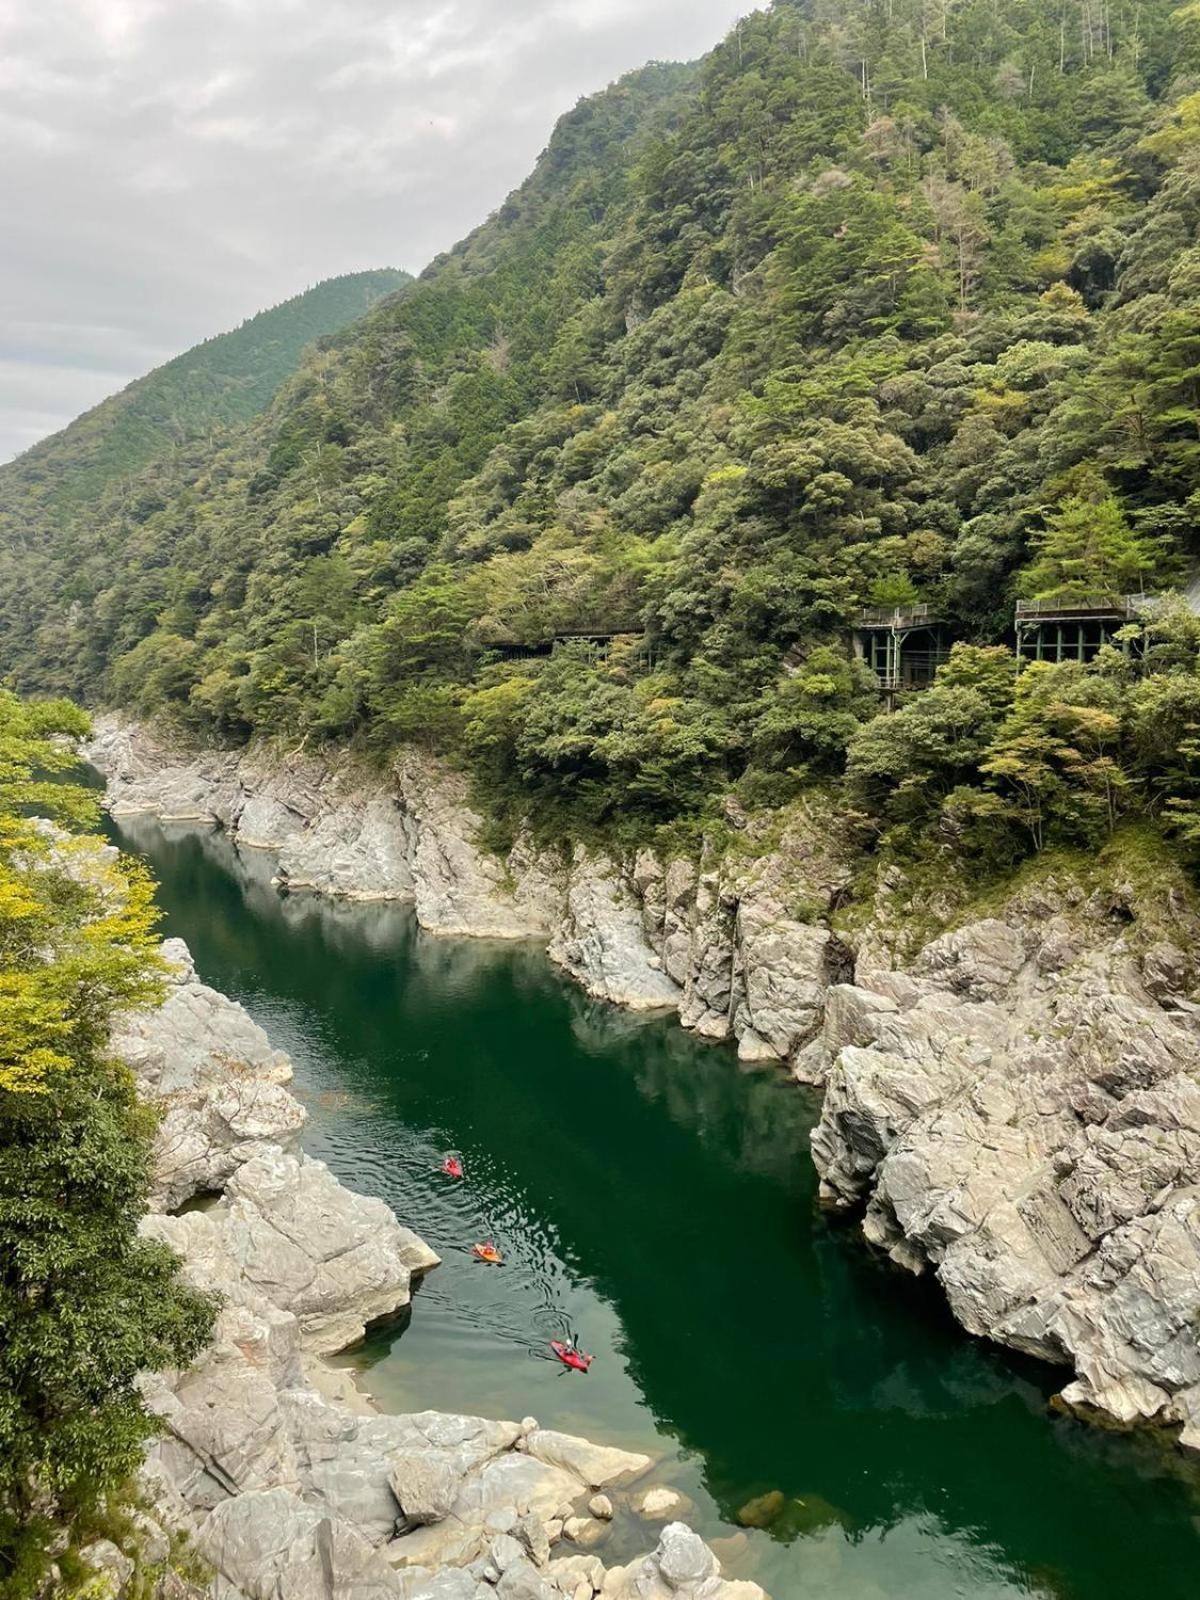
(865, 309)
(224, 379)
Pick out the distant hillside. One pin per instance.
(878, 306)
(227, 379)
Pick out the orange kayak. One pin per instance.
(486, 1252)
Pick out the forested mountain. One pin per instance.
(226, 380)
(884, 300)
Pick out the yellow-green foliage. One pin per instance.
(85, 1305)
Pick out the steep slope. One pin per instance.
(223, 381)
(867, 308)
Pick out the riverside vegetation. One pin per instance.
(85, 1304)
(129, 1090)
(877, 304)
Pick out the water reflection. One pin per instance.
(661, 1199)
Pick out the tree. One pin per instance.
(902, 765)
(807, 719)
(1054, 758)
(1087, 548)
(85, 1304)
(874, 301)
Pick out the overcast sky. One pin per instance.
(169, 167)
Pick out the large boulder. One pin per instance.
(377, 1471)
(359, 847)
(1023, 1115)
(509, 1483)
(216, 1079)
(745, 935)
(204, 1137)
(224, 1428)
(196, 1037)
(785, 972)
(272, 1546)
(288, 1232)
(596, 1465)
(681, 1564)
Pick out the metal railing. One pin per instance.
(1082, 606)
(601, 630)
(922, 616)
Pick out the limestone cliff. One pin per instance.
(737, 944)
(1013, 1091)
(1020, 1109)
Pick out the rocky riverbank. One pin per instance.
(1014, 1097)
(738, 950)
(286, 1481)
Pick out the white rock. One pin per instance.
(660, 1505)
(585, 1531)
(682, 1564)
(112, 1566)
(274, 1547)
(1038, 1143)
(290, 1233)
(597, 1466)
(600, 940)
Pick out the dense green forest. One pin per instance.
(226, 380)
(883, 301)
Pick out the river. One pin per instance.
(653, 1196)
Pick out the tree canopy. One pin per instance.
(878, 303)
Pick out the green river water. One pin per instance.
(662, 1201)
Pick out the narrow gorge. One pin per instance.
(645, 951)
(1014, 1098)
(285, 1481)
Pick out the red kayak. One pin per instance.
(577, 1360)
(452, 1167)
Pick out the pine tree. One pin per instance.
(1087, 548)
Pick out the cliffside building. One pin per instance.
(903, 645)
(1072, 629)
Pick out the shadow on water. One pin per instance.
(646, 1190)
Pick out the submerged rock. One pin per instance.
(660, 1504)
(762, 1511)
(808, 1514)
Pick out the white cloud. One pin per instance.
(168, 167)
